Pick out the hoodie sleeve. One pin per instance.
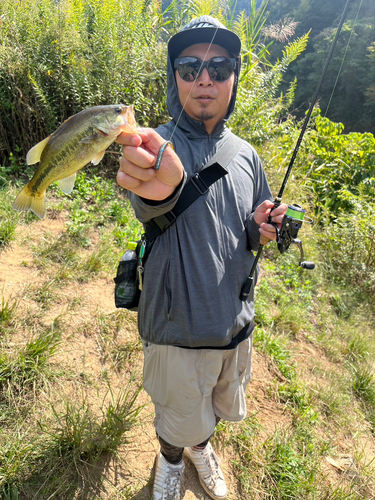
(146, 210)
(260, 192)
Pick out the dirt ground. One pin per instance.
(82, 352)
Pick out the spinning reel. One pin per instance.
(287, 234)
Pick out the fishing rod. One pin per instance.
(294, 216)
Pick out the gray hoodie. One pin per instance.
(196, 269)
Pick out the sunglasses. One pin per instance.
(190, 68)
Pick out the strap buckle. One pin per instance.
(199, 184)
(165, 220)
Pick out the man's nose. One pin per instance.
(204, 78)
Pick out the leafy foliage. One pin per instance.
(342, 164)
(259, 110)
(349, 247)
(351, 71)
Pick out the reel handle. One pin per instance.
(307, 265)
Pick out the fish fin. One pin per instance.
(98, 157)
(67, 184)
(34, 154)
(25, 200)
(89, 139)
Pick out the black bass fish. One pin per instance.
(82, 138)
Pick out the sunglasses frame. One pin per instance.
(204, 64)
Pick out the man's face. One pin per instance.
(205, 100)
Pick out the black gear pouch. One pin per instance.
(129, 277)
(127, 290)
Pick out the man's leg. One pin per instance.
(169, 470)
(229, 402)
(173, 454)
(180, 383)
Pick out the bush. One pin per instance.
(57, 58)
(340, 165)
(348, 249)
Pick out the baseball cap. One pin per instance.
(204, 29)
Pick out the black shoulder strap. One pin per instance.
(197, 186)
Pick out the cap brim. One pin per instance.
(223, 37)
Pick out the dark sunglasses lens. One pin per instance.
(188, 68)
(220, 68)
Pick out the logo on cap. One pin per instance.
(203, 25)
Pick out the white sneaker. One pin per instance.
(168, 480)
(210, 476)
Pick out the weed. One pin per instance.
(9, 492)
(122, 354)
(52, 251)
(274, 346)
(364, 388)
(30, 362)
(81, 435)
(8, 311)
(93, 263)
(333, 400)
(357, 348)
(8, 217)
(290, 468)
(45, 293)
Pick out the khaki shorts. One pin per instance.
(189, 387)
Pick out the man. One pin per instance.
(195, 329)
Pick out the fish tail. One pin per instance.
(27, 200)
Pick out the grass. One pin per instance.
(70, 399)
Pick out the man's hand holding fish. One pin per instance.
(137, 165)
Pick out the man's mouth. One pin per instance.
(204, 98)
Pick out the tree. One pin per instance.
(351, 102)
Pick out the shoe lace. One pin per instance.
(211, 466)
(172, 484)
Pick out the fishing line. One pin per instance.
(169, 142)
(196, 78)
(311, 108)
(247, 286)
(343, 59)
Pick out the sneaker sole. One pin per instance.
(209, 493)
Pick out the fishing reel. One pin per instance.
(287, 234)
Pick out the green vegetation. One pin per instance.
(72, 413)
(347, 94)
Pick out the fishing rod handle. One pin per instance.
(307, 265)
(246, 287)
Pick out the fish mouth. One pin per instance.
(128, 121)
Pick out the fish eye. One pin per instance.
(118, 110)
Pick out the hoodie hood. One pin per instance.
(203, 29)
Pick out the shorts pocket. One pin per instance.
(245, 359)
(171, 377)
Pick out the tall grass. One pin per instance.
(57, 58)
